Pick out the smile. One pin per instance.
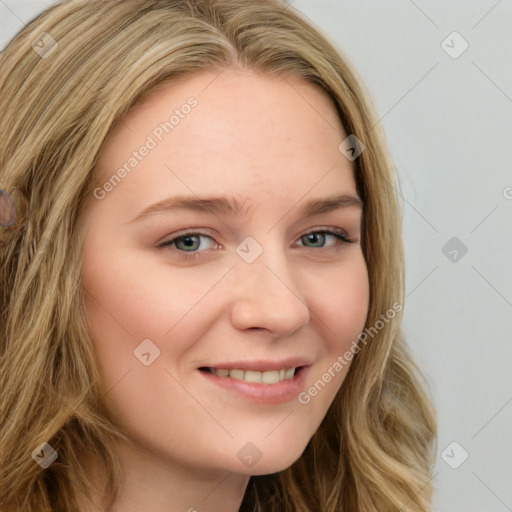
(268, 385)
(254, 376)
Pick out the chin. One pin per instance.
(273, 465)
(274, 459)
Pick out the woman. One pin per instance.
(259, 373)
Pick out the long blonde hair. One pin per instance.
(60, 98)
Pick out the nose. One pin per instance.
(267, 296)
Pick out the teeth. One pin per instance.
(289, 373)
(271, 377)
(237, 374)
(252, 376)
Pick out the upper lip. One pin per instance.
(260, 365)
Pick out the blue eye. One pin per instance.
(316, 234)
(188, 243)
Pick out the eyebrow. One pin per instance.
(236, 208)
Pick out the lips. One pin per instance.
(259, 382)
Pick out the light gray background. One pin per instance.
(448, 124)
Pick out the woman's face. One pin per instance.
(180, 293)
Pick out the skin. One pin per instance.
(250, 136)
(7, 209)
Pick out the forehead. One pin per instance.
(213, 132)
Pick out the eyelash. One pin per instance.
(337, 233)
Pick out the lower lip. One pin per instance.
(278, 393)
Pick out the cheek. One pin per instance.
(129, 300)
(343, 309)
(343, 305)
(120, 308)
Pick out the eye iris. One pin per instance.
(313, 236)
(189, 240)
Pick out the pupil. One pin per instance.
(313, 236)
(189, 241)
